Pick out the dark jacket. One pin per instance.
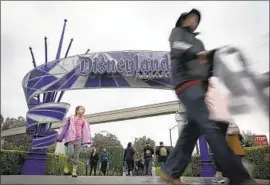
(185, 65)
(94, 159)
(162, 158)
(104, 156)
(129, 153)
(148, 152)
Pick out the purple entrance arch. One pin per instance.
(118, 69)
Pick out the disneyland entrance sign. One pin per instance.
(127, 63)
(45, 85)
(135, 69)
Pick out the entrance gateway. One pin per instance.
(45, 85)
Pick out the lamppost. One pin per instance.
(170, 130)
(181, 118)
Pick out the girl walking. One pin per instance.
(75, 133)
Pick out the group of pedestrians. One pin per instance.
(96, 160)
(144, 166)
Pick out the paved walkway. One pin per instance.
(20, 179)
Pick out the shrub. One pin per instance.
(55, 165)
(255, 155)
(258, 157)
(12, 163)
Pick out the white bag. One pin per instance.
(216, 101)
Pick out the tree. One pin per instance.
(100, 141)
(20, 121)
(1, 119)
(6, 124)
(13, 122)
(140, 143)
(114, 148)
(248, 139)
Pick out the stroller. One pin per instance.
(245, 87)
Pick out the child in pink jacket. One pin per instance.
(75, 133)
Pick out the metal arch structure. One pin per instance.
(44, 87)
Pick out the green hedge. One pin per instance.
(255, 155)
(12, 163)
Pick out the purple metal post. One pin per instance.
(46, 50)
(51, 96)
(62, 92)
(87, 51)
(33, 58)
(207, 166)
(46, 61)
(35, 163)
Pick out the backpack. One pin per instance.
(163, 152)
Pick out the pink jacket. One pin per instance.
(68, 133)
(217, 102)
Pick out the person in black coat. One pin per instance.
(129, 158)
(93, 161)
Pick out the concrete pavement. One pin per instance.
(20, 179)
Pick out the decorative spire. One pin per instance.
(87, 51)
(58, 54)
(52, 95)
(46, 50)
(62, 92)
(33, 57)
(71, 40)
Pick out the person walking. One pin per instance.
(148, 153)
(162, 152)
(129, 158)
(104, 161)
(190, 69)
(93, 161)
(75, 133)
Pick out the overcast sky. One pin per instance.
(105, 26)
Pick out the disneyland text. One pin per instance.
(153, 68)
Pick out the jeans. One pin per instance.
(130, 166)
(73, 151)
(103, 167)
(199, 124)
(148, 166)
(223, 126)
(93, 166)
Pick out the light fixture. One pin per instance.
(180, 117)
